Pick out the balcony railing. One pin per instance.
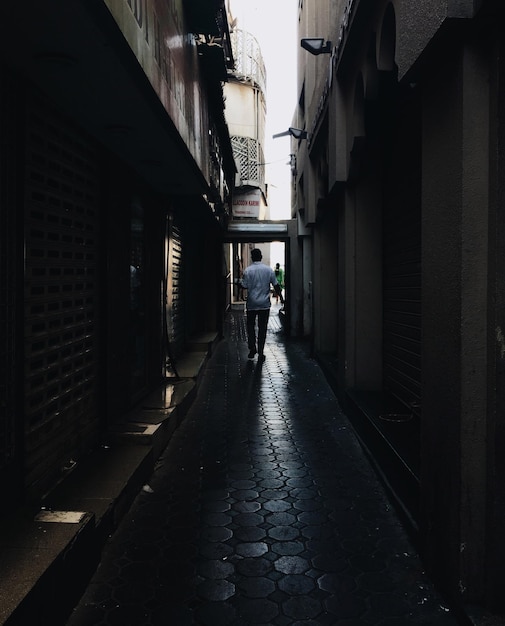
(249, 63)
(249, 157)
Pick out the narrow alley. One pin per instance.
(263, 509)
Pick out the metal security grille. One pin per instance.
(402, 142)
(8, 176)
(61, 339)
(402, 307)
(249, 155)
(175, 291)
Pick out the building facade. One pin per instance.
(116, 179)
(398, 193)
(245, 94)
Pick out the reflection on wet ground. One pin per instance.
(262, 510)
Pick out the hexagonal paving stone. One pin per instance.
(280, 518)
(273, 494)
(249, 533)
(215, 534)
(271, 483)
(302, 482)
(216, 506)
(347, 606)
(239, 467)
(253, 567)
(389, 604)
(284, 533)
(369, 563)
(268, 473)
(245, 495)
(256, 611)
(302, 608)
(216, 590)
(256, 587)
(302, 494)
(313, 518)
(318, 532)
(215, 569)
(277, 505)
(337, 583)
(291, 565)
(210, 614)
(216, 519)
(377, 581)
(251, 549)
(243, 484)
(248, 519)
(288, 548)
(295, 472)
(216, 550)
(329, 562)
(292, 465)
(264, 512)
(308, 505)
(296, 584)
(215, 494)
(246, 507)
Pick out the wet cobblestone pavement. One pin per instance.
(262, 510)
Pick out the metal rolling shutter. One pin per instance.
(175, 291)
(9, 452)
(402, 305)
(61, 292)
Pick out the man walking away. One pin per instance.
(257, 279)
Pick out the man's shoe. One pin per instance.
(261, 358)
(251, 354)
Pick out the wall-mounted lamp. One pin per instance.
(297, 133)
(316, 45)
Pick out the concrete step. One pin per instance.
(48, 555)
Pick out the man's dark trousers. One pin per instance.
(262, 316)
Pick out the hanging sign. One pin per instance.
(248, 204)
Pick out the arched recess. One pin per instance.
(358, 117)
(357, 130)
(371, 73)
(386, 41)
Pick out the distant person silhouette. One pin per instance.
(257, 279)
(279, 275)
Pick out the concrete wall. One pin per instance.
(455, 310)
(403, 66)
(245, 111)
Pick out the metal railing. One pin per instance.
(249, 64)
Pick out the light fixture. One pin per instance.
(316, 45)
(297, 133)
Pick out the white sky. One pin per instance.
(273, 23)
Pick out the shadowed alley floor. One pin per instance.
(263, 509)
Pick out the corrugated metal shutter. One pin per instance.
(402, 305)
(61, 294)
(175, 291)
(9, 452)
